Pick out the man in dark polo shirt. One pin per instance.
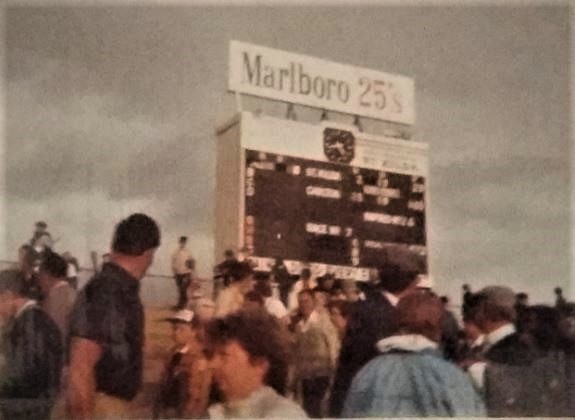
(107, 326)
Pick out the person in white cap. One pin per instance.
(185, 385)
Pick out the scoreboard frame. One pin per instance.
(254, 132)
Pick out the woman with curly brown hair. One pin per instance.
(250, 364)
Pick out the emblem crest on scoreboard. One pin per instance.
(338, 145)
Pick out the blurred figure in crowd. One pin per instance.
(204, 309)
(221, 277)
(559, 299)
(306, 281)
(317, 347)
(187, 378)
(351, 291)
(320, 299)
(250, 362)
(182, 273)
(508, 378)
(370, 321)
(107, 326)
(449, 331)
(58, 294)
(283, 279)
(273, 305)
(253, 301)
(338, 314)
(41, 237)
(327, 284)
(542, 330)
(410, 378)
(72, 269)
(472, 347)
(28, 263)
(33, 351)
(466, 290)
(241, 281)
(567, 331)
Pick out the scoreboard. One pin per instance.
(301, 205)
(343, 216)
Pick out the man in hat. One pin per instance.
(370, 321)
(508, 376)
(107, 326)
(33, 350)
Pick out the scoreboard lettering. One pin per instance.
(342, 216)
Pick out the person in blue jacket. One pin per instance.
(410, 377)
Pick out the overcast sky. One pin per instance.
(111, 110)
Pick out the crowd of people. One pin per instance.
(318, 347)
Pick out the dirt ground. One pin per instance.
(156, 352)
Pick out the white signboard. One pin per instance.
(310, 81)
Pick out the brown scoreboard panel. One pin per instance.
(332, 213)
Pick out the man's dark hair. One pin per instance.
(263, 287)
(394, 279)
(135, 235)
(54, 265)
(261, 336)
(305, 273)
(239, 270)
(183, 239)
(12, 281)
(541, 322)
(255, 297)
(521, 296)
(228, 253)
(471, 307)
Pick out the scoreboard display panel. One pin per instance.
(329, 213)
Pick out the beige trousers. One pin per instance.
(107, 407)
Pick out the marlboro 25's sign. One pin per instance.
(310, 81)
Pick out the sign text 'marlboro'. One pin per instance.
(319, 83)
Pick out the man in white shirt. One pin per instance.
(317, 347)
(182, 271)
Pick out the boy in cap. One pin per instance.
(186, 382)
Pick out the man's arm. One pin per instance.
(84, 354)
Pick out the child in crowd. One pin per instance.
(185, 386)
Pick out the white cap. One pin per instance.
(183, 315)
